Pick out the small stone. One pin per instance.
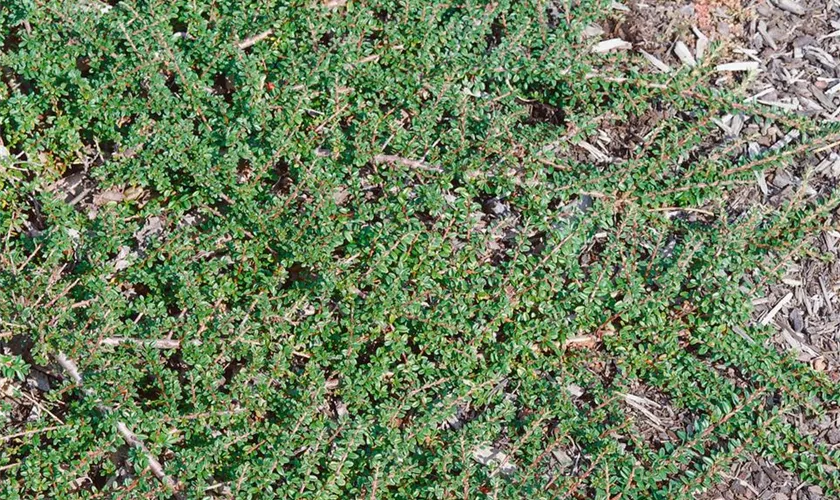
(584, 202)
(37, 380)
(592, 31)
(493, 457)
(341, 409)
(563, 458)
(495, 207)
(833, 436)
(796, 321)
(575, 390)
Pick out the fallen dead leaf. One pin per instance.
(133, 193)
(488, 456)
(581, 342)
(114, 195)
(819, 364)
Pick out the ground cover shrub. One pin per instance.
(346, 258)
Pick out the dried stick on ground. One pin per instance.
(130, 438)
(244, 44)
(380, 159)
(156, 344)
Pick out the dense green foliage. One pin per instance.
(336, 311)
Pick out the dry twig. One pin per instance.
(156, 344)
(389, 159)
(248, 42)
(130, 438)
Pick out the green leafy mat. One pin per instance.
(378, 253)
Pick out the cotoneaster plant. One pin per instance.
(355, 250)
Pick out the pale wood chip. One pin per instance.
(610, 45)
(804, 350)
(762, 30)
(820, 55)
(791, 136)
(740, 331)
(789, 6)
(596, 153)
(833, 90)
(684, 54)
(789, 106)
(701, 45)
(762, 182)
(639, 404)
(656, 62)
(763, 93)
(826, 297)
(738, 66)
(778, 307)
